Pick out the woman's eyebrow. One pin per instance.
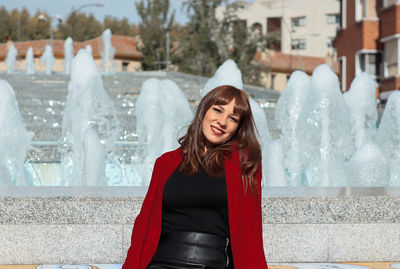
(233, 114)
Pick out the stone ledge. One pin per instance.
(121, 205)
(51, 225)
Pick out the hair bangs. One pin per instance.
(229, 93)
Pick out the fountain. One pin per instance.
(368, 166)
(89, 49)
(162, 113)
(108, 52)
(318, 145)
(30, 64)
(68, 54)
(48, 59)
(361, 102)
(323, 128)
(11, 59)
(389, 136)
(90, 127)
(14, 139)
(287, 111)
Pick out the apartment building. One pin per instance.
(303, 27)
(369, 40)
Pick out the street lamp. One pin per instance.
(76, 9)
(44, 18)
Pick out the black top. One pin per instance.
(195, 203)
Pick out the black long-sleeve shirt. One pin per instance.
(196, 203)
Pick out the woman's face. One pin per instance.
(220, 124)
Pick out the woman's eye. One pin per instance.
(216, 109)
(234, 119)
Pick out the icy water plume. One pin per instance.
(227, 74)
(11, 59)
(290, 105)
(14, 139)
(368, 166)
(389, 136)
(68, 54)
(89, 49)
(323, 132)
(30, 64)
(162, 115)
(48, 59)
(108, 52)
(90, 126)
(361, 102)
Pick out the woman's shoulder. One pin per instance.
(173, 154)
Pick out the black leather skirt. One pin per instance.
(190, 250)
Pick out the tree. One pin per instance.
(120, 27)
(210, 40)
(24, 25)
(79, 27)
(40, 29)
(4, 25)
(155, 23)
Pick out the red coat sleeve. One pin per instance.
(141, 223)
(255, 257)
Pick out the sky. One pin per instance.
(115, 8)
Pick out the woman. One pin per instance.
(203, 205)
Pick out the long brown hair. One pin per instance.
(245, 139)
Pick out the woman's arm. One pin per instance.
(141, 222)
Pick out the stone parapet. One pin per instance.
(53, 225)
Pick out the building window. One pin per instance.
(366, 9)
(298, 21)
(257, 27)
(125, 66)
(370, 62)
(299, 44)
(361, 9)
(273, 76)
(333, 18)
(343, 14)
(391, 57)
(274, 33)
(342, 73)
(387, 3)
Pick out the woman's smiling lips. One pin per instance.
(216, 130)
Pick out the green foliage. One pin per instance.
(20, 26)
(24, 25)
(210, 40)
(72, 27)
(39, 29)
(120, 27)
(5, 30)
(155, 23)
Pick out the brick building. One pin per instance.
(368, 40)
(126, 58)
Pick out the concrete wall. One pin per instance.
(53, 225)
(20, 66)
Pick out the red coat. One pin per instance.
(244, 211)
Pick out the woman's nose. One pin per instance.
(222, 121)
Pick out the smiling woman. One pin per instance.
(203, 205)
(220, 124)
